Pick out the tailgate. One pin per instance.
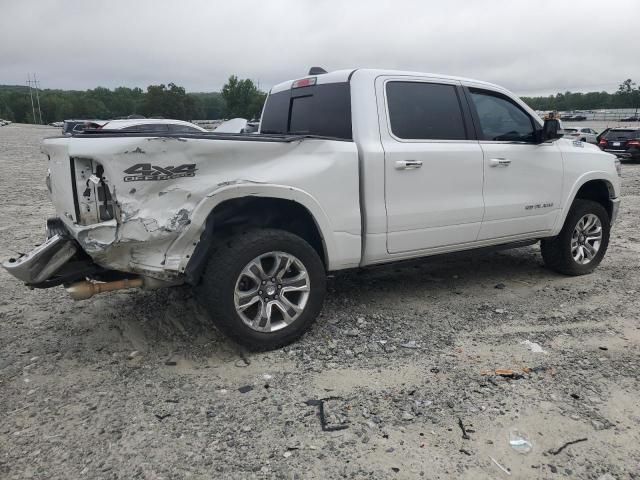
(60, 181)
(76, 186)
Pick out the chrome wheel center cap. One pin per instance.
(271, 289)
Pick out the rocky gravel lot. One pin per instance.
(396, 380)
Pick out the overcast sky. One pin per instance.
(530, 47)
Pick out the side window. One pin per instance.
(425, 111)
(501, 119)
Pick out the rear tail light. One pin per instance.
(633, 143)
(602, 143)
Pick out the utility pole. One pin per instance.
(33, 109)
(34, 84)
(35, 80)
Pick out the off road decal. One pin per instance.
(146, 171)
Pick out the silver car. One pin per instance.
(585, 134)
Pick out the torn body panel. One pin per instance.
(140, 204)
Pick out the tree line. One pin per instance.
(238, 98)
(627, 96)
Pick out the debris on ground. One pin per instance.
(503, 372)
(534, 347)
(500, 466)
(519, 442)
(572, 442)
(328, 420)
(465, 433)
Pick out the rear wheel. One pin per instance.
(263, 288)
(582, 242)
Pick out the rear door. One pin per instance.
(522, 179)
(433, 166)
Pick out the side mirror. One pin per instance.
(551, 130)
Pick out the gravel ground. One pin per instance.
(137, 385)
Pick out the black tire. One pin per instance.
(224, 266)
(556, 251)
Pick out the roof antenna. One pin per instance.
(317, 71)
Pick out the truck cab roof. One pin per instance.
(338, 76)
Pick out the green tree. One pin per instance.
(210, 105)
(626, 86)
(168, 102)
(242, 98)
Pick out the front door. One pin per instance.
(522, 179)
(433, 167)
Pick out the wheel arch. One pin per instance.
(594, 186)
(255, 205)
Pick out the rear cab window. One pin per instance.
(322, 109)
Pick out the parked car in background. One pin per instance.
(602, 134)
(585, 134)
(573, 118)
(4, 122)
(252, 127)
(234, 125)
(622, 142)
(76, 126)
(630, 119)
(152, 125)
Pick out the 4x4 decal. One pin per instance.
(146, 171)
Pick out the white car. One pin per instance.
(352, 168)
(156, 125)
(584, 134)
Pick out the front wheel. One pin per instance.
(582, 242)
(263, 288)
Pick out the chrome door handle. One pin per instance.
(408, 164)
(499, 162)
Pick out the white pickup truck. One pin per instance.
(350, 168)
